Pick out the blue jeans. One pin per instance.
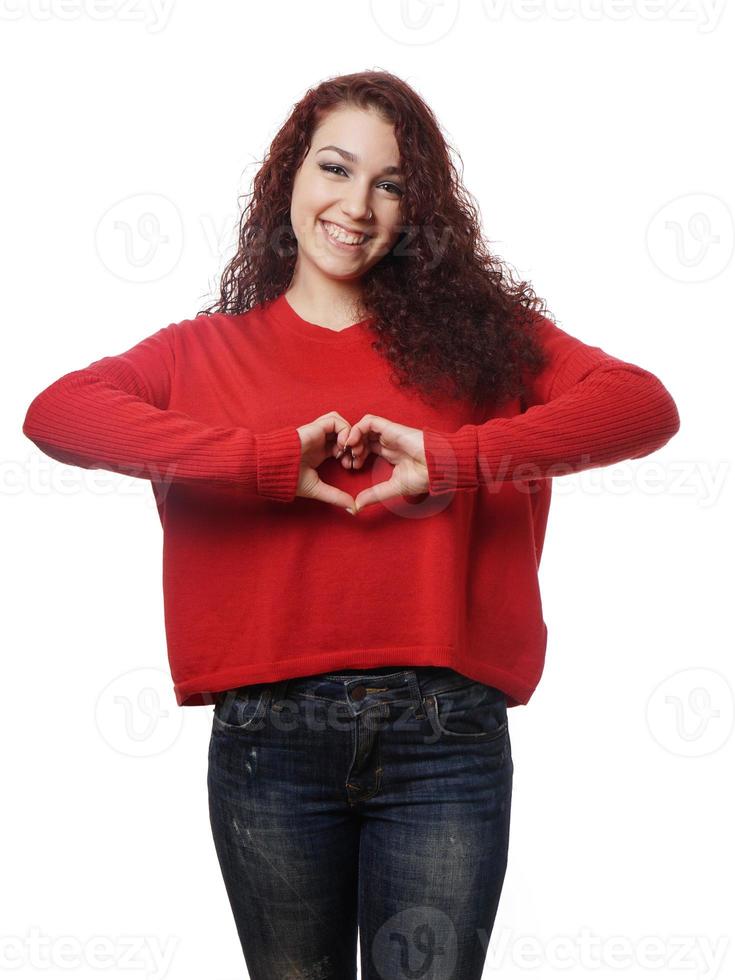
(378, 798)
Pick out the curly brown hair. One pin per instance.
(457, 317)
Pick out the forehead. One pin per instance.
(363, 134)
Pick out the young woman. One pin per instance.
(352, 453)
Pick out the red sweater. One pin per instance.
(261, 585)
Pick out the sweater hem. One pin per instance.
(203, 689)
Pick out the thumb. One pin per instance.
(331, 495)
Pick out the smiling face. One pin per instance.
(346, 198)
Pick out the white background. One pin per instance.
(596, 138)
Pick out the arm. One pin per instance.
(590, 409)
(114, 415)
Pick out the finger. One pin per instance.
(374, 431)
(373, 495)
(359, 432)
(355, 456)
(328, 494)
(339, 451)
(354, 445)
(364, 438)
(341, 439)
(372, 426)
(346, 447)
(359, 454)
(334, 424)
(348, 457)
(373, 446)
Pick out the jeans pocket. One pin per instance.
(242, 708)
(473, 713)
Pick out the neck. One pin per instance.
(330, 304)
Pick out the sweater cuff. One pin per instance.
(278, 456)
(451, 459)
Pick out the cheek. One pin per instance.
(302, 220)
(313, 197)
(303, 198)
(392, 225)
(305, 214)
(389, 238)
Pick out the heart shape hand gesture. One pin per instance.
(400, 445)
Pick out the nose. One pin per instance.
(357, 205)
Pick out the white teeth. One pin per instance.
(334, 231)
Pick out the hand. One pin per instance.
(401, 446)
(320, 439)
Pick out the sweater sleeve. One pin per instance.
(114, 415)
(588, 409)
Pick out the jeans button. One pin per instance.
(359, 692)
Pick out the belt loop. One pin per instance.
(279, 694)
(415, 688)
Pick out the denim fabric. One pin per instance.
(379, 799)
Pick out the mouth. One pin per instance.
(341, 238)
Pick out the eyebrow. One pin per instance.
(353, 158)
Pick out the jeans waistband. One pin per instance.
(370, 687)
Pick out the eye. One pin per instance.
(330, 167)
